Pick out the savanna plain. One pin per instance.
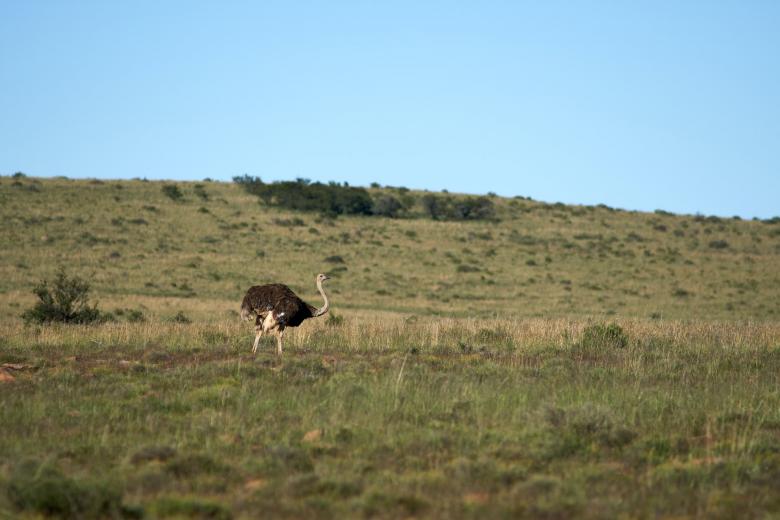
(551, 361)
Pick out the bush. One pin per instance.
(434, 206)
(172, 192)
(387, 206)
(200, 191)
(180, 317)
(45, 490)
(66, 300)
(332, 198)
(451, 208)
(190, 508)
(289, 222)
(135, 316)
(604, 336)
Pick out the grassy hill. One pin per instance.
(141, 249)
(474, 369)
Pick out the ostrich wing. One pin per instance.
(287, 307)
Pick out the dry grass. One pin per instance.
(539, 260)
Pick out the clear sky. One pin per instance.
(635, 104)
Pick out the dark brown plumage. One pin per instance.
(275, 307)
(289, 310)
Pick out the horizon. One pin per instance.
(641, 107)
(443, 191)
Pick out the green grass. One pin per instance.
(386, 418)
(562, 362)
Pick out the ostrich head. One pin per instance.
(322, 277)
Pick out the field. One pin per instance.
(462, 372)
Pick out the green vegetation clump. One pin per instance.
(719, 244)
(387, 206)
(600, 336)
(303, 195)
(340, 199)
(65, 299)
(180, 317)
(43, 489)
(177, 507)
(441, 207)
(172, 192)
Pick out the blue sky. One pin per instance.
(639, 105)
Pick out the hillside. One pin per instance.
(142, 250)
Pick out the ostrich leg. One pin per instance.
(279, 334)
(258, 333)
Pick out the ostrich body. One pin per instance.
(276, 307)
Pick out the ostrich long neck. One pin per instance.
(322, 310)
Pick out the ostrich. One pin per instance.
(276, 307)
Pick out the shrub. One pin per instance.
(332, 198)
(200, 191)
(172, 192)
(451, 208)
(386, 206)
(604, 336)
(289, 222)
(473, 208)
(577, 430)
(45, 490)
(180, 317)
(190, 508)
(719, 244)
(135, 316)
(433, 206)
(65, 300)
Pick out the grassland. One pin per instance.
(442, 391)
(140, 249)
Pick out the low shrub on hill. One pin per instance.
(303, 195)
(440, 207)
(387, 206)
(340, 199)
(172, 192)
(65, 299)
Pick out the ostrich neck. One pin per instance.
(322, 310)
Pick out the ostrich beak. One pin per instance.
(326, 277)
